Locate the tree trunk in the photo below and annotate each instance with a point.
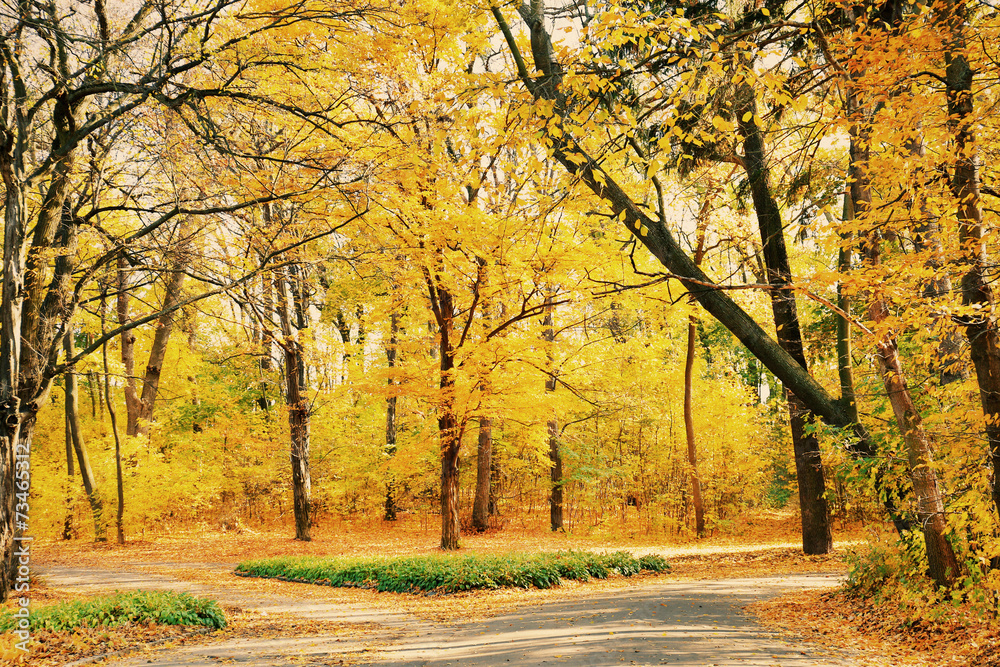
(692, 448)
(845, 361)
(493, 508)
(95, 395)
(943, 566)
(298, 409)
(112, 411)
(816, 536)
(484, 466)
(70, 474)
(692, 451)
(158, 351)
(392, 356)
(11, 308)
(980, 327)
(448, 427)
(83, 459)
(263, 402)
(127, 342)
(552, 427)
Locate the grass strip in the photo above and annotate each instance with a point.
(452, 573)
(163, 607)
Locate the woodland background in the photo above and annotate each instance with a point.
(406, 246)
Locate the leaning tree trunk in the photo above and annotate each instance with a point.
(658, 239)
(943, 566)
(298, 410)
(816, 536)
(78, 445)
(158, 350)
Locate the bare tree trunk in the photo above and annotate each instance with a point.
(816, 536)
(78, 445)
(494, 508)
(552, 427)
(265, 360)
(11, 308)
(298, 409)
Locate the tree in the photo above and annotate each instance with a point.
(96, 72)
(573, 155)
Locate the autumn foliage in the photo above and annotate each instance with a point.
(444, 256)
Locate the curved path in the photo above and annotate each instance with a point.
(684, 623)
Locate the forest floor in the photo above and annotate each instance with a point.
(796, 617)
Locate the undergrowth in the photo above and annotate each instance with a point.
(895, 574)
(450, 574)
(163, 607)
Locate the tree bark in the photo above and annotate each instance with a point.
(816, 536)
(11, 307)
(80, 448)
(484, 466)
(448, 427)
(692, 449)
(298, 409)
(484, 445)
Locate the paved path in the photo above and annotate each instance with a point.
(689, 624)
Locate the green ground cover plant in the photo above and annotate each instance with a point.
(163, 607)
(450, 574)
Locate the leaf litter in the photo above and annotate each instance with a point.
(206, 558)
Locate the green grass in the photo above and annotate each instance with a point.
(452, 573)
(162, 607)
